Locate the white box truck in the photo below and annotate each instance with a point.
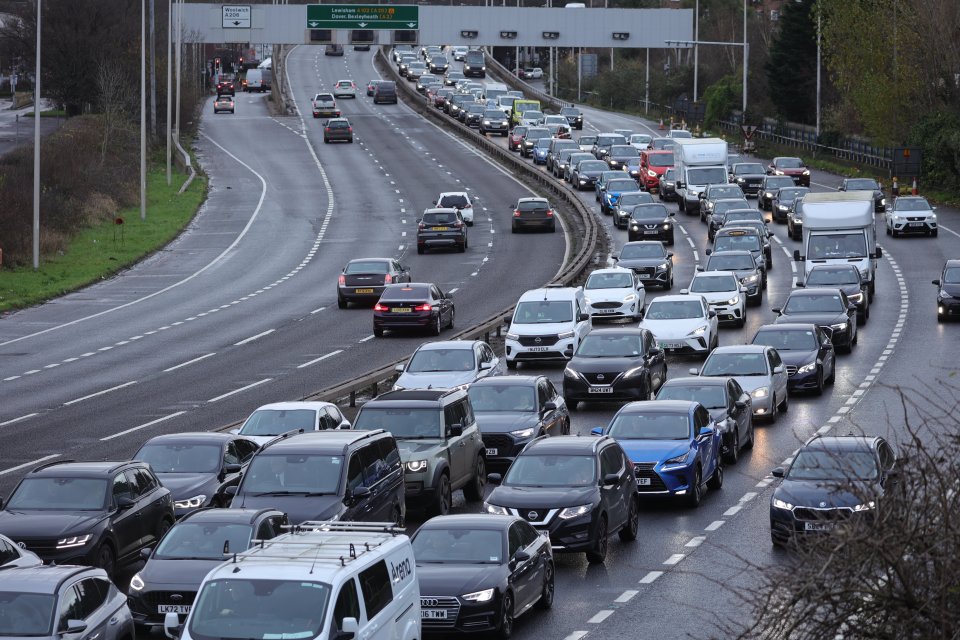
(699, 162)
(838, 228)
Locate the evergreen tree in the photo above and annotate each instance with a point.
(792, 66)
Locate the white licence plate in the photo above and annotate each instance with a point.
(491, 452)
(603, 311)
(539, 348)
(643, 482)
(601, 389)
(819, 526)
(644, 276)
(433, 614)
(671, 345)
(173, 608)
(916, 224)
(650, 231)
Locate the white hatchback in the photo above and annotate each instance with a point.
(682, 324)
(272, 420)
(345, 89)
(724, 294)
(615, 293)
(459, 200)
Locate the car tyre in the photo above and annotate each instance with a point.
(599, 552)
(505, 627)
(107, 559)
(734, 454)
(473, 492)
(341, 303)
(628, 533)
(511, 364)
(774, 412)
(443, 498)
(669, 284)
(819, 389)
(420, 250)
(785, 403)
(749, 444)
(378, 332)
(696, 491)
(715, 483)
(546, 594)
(437, 327)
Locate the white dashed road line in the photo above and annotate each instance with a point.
(29, 464)
(99, 393)
(189, 362)
(240, 390)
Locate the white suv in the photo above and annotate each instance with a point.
(459, 200)
(682, 324)
(724, 293)
(547, 324)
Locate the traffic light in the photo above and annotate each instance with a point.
(241, 61)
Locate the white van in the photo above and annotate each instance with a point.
(323, 581)
(547, 325)
(254, 81)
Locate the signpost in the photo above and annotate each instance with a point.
(363, 16)
(748, 130)
(236, 16)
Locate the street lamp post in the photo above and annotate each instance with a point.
(143, 109)
(696, 49)
(36, 151)
(818, 71)
(169, 90)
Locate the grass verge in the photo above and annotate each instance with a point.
(99, 251)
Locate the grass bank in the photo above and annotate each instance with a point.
(99, 251)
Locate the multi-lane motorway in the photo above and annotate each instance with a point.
(240, 310)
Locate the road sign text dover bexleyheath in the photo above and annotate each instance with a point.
(363, 16)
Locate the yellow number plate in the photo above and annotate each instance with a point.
(441, 228)
(363, 290)
(401, 309)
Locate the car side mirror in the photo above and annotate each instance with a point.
(700, 268)
(709, 252)
(355, 495)
(796, 256)
(125, 503)
(672, 213)
(399, 368)
(713, 314)
(234, 432)
(705, 431)
(684, 292)
(775, 309)
(231, 491)
(596, 431)
(448, 296)
(232, 468)
(1, 502)
(171, 625)
(494, 478)
(74, 626)
(778, 472)
(456, 429)
(693, 371)
(486, 366)
(879, 253)
(611, 479)
(548, 406)
(936, 282)
(615, 257)
(583, 317)
(851, 306)
(801, 284)
(779, 369)
(145, 553)
(349, 629)
(740, 404)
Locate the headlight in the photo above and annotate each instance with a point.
(679, 460)
(740, 180)
(760, 393)
(416, 466)
(666, 222)
(479, 596)
(797, 220)
(494, 509)
(699, 330)
(136, 583)
(574, 512)
(734, 300)
(190, 503)
(504, 123)
(486, 122)
(806, 172)
(73, 542)
(780, 504)
(856, 297)
(883, 201)
(522, 433)
(565, 334)
(945, 296)
(512, 336)
(808, 368)
(630, 373)
(777, 172)
(583, 181)
(840, 326)
(398, 387)
(662, 266)
(630, 298)
(652, 174)
(866, 506)
(751, 278)
(783, 207)
(767, 194)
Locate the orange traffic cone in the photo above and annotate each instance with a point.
(914, 189)
(661, 124)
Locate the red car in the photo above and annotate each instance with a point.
(516, 137)
(793, 167)
(653, 164)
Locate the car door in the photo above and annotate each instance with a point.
(779, 379)
(378, 505)
(740, 414)
(150, 502)
(232, 459)
(549, 419)
(460, 460)
(612, 495)
(706, 443)
(826, 352)
(347, 605)
(355, 480)
(522, 572)
(128, 523)
(656, 360)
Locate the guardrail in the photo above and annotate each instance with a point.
(187, 164)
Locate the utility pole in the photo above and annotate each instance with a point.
(169, 89)
(818, 71)
(179, 47)
(746, 56)
(143, 109)
(153, 71)
(36, 151)
(696, 49)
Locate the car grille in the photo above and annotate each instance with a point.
(601, 378)
(452, 606)
(645, 470)
(538, 341)
(916, 218)
(606, 305)
(154, 598)
(497, 441)
(791, 370)
(38, 546)
(804, 513)
(650, 226)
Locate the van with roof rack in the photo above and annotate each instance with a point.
(322, 580)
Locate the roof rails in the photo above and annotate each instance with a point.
(282, 436)
(340, 546)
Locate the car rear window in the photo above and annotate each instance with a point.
(533, 206)
(337, 124)
(453, 201)
(367, 266)
(440, 217)
(405, 293)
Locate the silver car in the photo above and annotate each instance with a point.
(448, 364)
(758, 369)
(56, 601)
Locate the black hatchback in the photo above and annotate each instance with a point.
(414, 305)
(439, 228)
(364, 279)
(579, 490)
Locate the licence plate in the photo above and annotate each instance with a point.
(363, 290)
(819, 526)
(602, 311)
(671, 345)
(643, 482)
(644, 276)
(401, 309)
(433, 614)
(441, 229)
(916, 224)
(539, 348)
(491, 452)
(650, 231)
(173, 608)
(601, 389)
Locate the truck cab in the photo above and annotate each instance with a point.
(700, 162)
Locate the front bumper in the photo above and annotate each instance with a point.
(144, 605)
(806, 381)
(578, 389)
(584, 182)
(915, 225)
(650, 232)
(561, 350)
(686, 344)
(728, 313)
(787, 524)
(673, 481)
(502, 449)
(948, 307)
(616, 309)
(459, 615)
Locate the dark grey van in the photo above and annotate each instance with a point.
(324, 475)
(385, 92)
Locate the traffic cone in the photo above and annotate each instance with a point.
(895, 188)
(914, 189)
(661, 124)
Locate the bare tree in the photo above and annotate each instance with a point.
(112, 89)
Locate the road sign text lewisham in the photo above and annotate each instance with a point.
(363, 16)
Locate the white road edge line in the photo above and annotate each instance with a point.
(143, 426)
(20, 419)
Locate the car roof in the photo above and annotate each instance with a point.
(370, 260)
(789, 326)
(449, 344)
(484, 521)
(550, 293)
(714, 274)
(454, 193)
(408, 285)
(661, 406)
(505, 381)
(84, 469)
(843, 443)
(532, 199)
(731, 252)
(834, 267)
(617, 331)
(741, 348)
(815, 291)
(681, 297)
(411, 395)
(43, 578)
(572, 445)
(290, 405)
(953, 262)
(440, 210)
(192, 436)
(611, 269)
(695, 380)
(329, 440)
(225, 516)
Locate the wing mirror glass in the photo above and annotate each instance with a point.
(597, 431)
(494, 478)
(936, 282)
(232, 468)
(455, 429)
(778, 369)
(610, 479)
(171, 625)
(549, 406)
(778, 472)
(399, 368)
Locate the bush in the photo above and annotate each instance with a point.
(721, 97)
(938, 134)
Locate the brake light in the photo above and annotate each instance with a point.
(549, 213)
(349, 129)
(387, 279)
(420, 225)
(458, 224)
(343, 279)
(516, 213)
(326, 128)
(424, 307)
(379, 307)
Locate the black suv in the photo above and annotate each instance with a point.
(442, 227)
(94, 513)
(327, 475)
(579, 490)
(474, 65)
(439, 441)
(650, 260)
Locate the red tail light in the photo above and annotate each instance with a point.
(516, 213)
(549, 213)
(380, 307)
(349, 129)
(423, 307)
(327, 129)
(457, 225)
(421, 226)
(343, 279)
(387, 279)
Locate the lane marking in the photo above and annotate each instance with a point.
(143, 426)
(696, 541)
(576, 635)
(320, 359)
(20, 419)
(252, 338)
(650, 577)
(713, 526)
(99, 393)
(317, 310)
(674, 559)
(240, 390)
(600, 616)
(369, 337)
(626, 596)
(29, 464)
(189, 362)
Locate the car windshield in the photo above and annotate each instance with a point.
(58, 494)
(493, 114)
(707, 175)
(369, 266)
(585, 140)
(788, 163)
(203, 541)
(840, 245)
(551, 471)
(531, 114)
(625, 151)
(298, 473)
(600, 345)
(813, 464)
(862, 184)
(476, 108)
(608, 280)
(245, 609)
(710, 396)
(543, 312)
(722, 206)
(542, 143)
(713, 284)
(721, 262)
(503, 397)
(26, 614)
(951, 275)
(833, 276)
(615, 186)
(640, 138)
(650, 426)
(404, 423)
(660, 159)
(569, 111)
(535, 133)
(428, 360)
(735, 364)
(814, 303)
(610, 140)
(790, 194)
(743, 215)
(533, 205)
(523, 107)
(440, 217)
(745, 242)
(787, 339)
(636, 251)
(649, 211)
(670, 174)
(181, 458)
(505, 101)
(628, 199)
(592, 165)
(273, 422)
(911, 204)
(662, 144)
(716, 193)
(674, 310)
(772, 183)
(748, 169)
(458, 546)
(519, 131)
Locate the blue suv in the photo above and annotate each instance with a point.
(674, 446)
(611, 194)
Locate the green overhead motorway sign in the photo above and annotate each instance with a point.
(363, 16)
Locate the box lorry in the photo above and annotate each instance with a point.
(838, 228)
(699, 162)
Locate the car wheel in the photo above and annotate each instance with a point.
(599, 552)
(420, 250)
(473, 492)
(571, 403)
(437, 327)
(453, 313)
(378, 332)
(887, 229)
(819, 389)
(743, 317)
(749, 444)
(106, 559)
(669, 284)
(511, 364)
(553, 227)
(777, 541)
(629, 531)
(670, 240)
(715, 483)
(505, 628)
(546, 594)
(775, 411)
(734, 454)
(696, 491)
(933, 234)
(444, 497)
(785, 403)
(341, 303)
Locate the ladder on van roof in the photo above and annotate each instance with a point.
(338, 542)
